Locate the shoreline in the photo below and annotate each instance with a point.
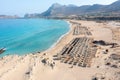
(52, 46)
(33, 67)
(58, 41)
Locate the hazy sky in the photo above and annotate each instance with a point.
(20, 7)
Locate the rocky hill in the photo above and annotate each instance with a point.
(96, 9)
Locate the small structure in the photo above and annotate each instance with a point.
(2, 50)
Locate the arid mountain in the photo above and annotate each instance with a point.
(114, 7)
(66, 10)
(63, 10)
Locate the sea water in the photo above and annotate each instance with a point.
(24, 36)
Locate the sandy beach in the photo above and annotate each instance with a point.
(105, 65)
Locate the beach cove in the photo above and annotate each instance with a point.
(43, 66)
(23, 36)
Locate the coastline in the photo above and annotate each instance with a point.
(50, 46)
(58, 41)
(32, 67)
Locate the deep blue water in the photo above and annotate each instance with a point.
(23, 36)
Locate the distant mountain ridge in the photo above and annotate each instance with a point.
(9, 16)
(66, 10)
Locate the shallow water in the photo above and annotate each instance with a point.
(23, 36)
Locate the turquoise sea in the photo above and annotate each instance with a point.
(24, 36)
